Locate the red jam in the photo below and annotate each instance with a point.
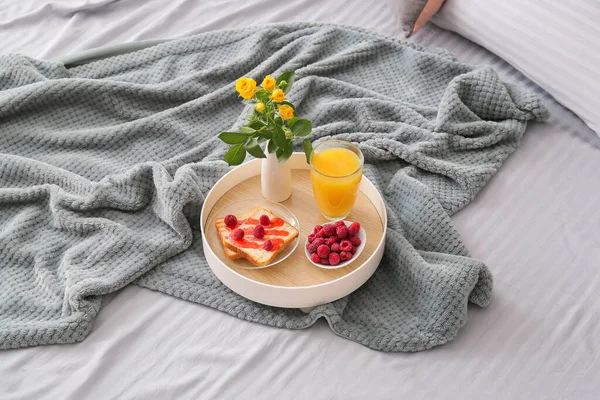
(275, 222)
(276, 232)
(251, 242)
(257, 244)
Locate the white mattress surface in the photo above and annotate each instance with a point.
(536, 224)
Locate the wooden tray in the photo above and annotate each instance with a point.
(295, 282)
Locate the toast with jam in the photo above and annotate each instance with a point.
(257, 235)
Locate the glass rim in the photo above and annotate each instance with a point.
(349, 144)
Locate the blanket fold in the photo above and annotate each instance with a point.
(104, 168)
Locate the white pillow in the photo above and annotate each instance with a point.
(556, 43)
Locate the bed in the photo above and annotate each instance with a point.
(538, 339)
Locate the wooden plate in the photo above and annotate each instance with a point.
(295, 282)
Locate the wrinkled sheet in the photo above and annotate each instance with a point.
(534, 341)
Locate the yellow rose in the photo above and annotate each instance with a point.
(268, 83)
(278, 96)
(260, 106)
(286, 112)
(245, 87)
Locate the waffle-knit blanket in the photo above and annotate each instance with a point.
(104, 167)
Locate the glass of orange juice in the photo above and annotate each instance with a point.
(335, 171)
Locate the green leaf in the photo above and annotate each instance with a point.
(266, 132)
(257, 125)
(233, 137)
(247, 129)
(235, 155)
(307, 146)
(279, 137)
(263, 136)
(291, 121)
(286, 153)
(285, 81)
(262, 96)
(301, 127)
(253, 148)
(272, 147)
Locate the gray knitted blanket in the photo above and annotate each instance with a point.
(104, 167)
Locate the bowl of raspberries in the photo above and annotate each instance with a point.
(335, 244)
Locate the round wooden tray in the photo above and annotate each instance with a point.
(295, 282)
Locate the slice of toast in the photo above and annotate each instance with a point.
(231, 254)
(280, 232)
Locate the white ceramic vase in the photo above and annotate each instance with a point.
(275, 178)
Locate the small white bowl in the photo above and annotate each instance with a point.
(362, 235)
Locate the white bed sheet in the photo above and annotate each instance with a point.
(536, 224)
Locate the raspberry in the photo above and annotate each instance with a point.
(324, 261)
(355, 240)
(345, 256)
(268, 245)
(345, 245)
(340, 223)
(318, 241)
(237, 234)
(317, 229)
(311, 237)
(329, 229)
(328, 241)
(334, 239)
(230, 220)
(259, 231)
(264, 220)
(322, 233)
(354, 228)
(335, 247)
(334, 258)
(307, 246)
(353, 251)
(313, 247)
(323, 251)
(341, 232)
(315, 258)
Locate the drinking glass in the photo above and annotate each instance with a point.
(336, 171)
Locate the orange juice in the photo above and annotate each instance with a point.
(335, 174)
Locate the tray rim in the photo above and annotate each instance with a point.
(252, 168)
